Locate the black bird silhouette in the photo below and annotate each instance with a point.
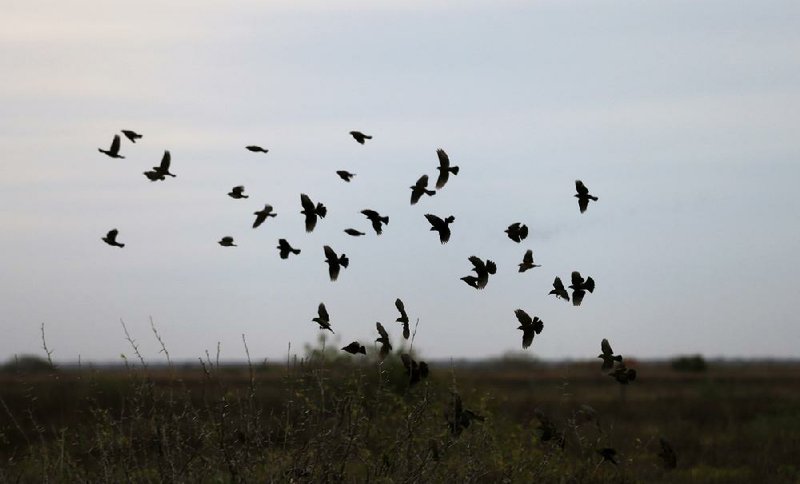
(420, 188)
(256, 149)
(530, 327)
(527, 261)
(355, 348)
(386, 346)
(359, 136)
(376, 219)
(559, 290)
(131, 135)
(285, 249)
(113, 151)
(415, 371)
(482, 269)
(162, 170)
(345, 175)
(583, 195)
(667, 454)
(353, 232)
(403, 317)
(237, 192)
(517, 232)
(323, 319)
(441, 226)
(444, 168)
(458, 418)
(608, 454)
(623, 374)
(262, 215)
(579, 287)
(547, 430)
(226, 241)
(335, 263)
(154, 175)
(311, 212)
(111, 238)
(607, 355)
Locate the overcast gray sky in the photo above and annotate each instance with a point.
(683, 117)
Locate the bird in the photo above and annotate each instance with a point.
(482, 270)
(527, 261)
(345, 175)
(559, 290)
(398, 303)
(416, 370)
(226, 241)
(131, 135)
(377, 220)
(323, 319)
(256, 149)
(355, 348)
(607, 355)
(583, 195)
(386, 346)
(608, 454)
(444, 168)
(420, 188)
(441, 226)
(262, 215)
(579, 287)
(285, 249)
(311, 211)
(113, 151)
(237, 192)
(162, 170)
(359, 136)
(111, 238)
(154, 175)
(667, 454)
(458, 418)
(353, 232)
(623, 374)
(517, 232)
(335, 263)
(547, 430)
(530, 327)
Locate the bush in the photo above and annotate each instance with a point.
(695, 363)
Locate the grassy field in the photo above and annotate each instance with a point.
(329, 417)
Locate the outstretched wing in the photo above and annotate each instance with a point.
(477, 263)
(329, 253)
(323, 313)
(577, 280)
(606, 347)
(308, 205)
(523, 317)
(583, 204)
(402, 308)
(435, 221)
(558, 285)
(115, 144)
(165, 161)
(581, 188)
(382, 331)
(528, 257)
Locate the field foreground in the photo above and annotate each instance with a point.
(329, 418)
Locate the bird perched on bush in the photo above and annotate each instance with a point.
(667, 454)
(530, 327)
(458, 418)
(311, 211)
(444, 169)
(415, 371)
(335, 263)
(608, 454)
(622, 374)
(111, 238)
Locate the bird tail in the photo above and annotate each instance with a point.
(295, 251)
(343, 260)
(321, 210)
(450, 219)
(593, 197)
(121, 245)
(385, 220)
(362, 350)
(589, 284)
(454, 170)
(272, 215)
(367, 136)
(430, 192)
(617, 358)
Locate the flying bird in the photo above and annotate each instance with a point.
(386, 346)
(345, 175)
(530, 327)
(335, 263)
(416, 371)
(376, 219)
(583, 195)
(420, 188)
(359, 136)
(608, 454)
(441, 226)
(262, 215)
(579, 287)
(131, 135)
(113, 151)
(444, 168)
(527, 261)
(458, 418)
(517, 232)
(353, 232)
(226, 241)
(403, 317)
(559, 290)
(237, 192)
(607, 355)
(153, 175)
(256, 149)
(355, 348)
(323, 319)
(667, 454)
(162, 170)
(311, 211)
(111, 238)
(285, 249)
(482, 270)
(623, 374)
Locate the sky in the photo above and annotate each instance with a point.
(682, 117)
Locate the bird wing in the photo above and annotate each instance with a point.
(606, 347)
(115, 144)
(416, 194)
(558, 285)
(112, 234)
(527, 338)
(523, 317)
(583, 204)
(260, 217)
(528, 257)
(402, 308)
(435, 221)
(382, 331)
(581, 188)
(165, 161)
(407, 361)
(329, 253)
(577, 280)
(323, 313)
(577, 297)
(444, 160)
(308, 205)
(422, 182)
(477, 263)
(538, 324)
